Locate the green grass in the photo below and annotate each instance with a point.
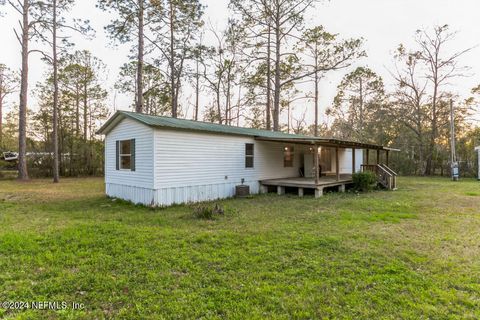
(409, 254)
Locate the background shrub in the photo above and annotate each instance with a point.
(8, 165)
(364, 181)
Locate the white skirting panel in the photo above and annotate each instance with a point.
(176, 195)
(137, 195)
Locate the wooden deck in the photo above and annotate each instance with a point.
(308, 183)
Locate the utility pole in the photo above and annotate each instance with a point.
(453, 156)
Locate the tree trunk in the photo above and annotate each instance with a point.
(139, 102)
(316, 91)
(219, 105)
(85, 108)
(433, 137)
(172, 63)
(22, 121)
(420, 156)
(197, 91)
(269, 82)
(77, 110)
(56, 177)
(288, 118)
(71, 171)
(429, 162)
(228, 103)
(276, 97)
(238, 103)
(61, 143)
(148, 107)
(419, 135)
(361, 109)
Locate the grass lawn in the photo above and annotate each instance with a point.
(412, 253)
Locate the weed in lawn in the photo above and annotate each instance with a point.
(473, 194)
(206, 211)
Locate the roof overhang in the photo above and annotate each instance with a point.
(291, 139)
(111, 123)
(327, 143)
(391, 149)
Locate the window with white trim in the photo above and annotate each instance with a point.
(249, 151)
(126, 155)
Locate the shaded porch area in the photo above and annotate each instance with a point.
(338, 157)
(302, 183)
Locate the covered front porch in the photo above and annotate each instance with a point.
(345, 159)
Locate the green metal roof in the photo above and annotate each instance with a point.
(183, 124)
(159, 121)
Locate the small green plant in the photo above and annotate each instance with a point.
(364, 181)
(204, 211)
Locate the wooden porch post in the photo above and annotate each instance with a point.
(353, 161)
(378, 156)
(387, 152)
(368, 156)
(315, 161)
(337, 164)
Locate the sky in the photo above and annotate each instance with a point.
(384, 24)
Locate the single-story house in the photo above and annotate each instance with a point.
(161, 161)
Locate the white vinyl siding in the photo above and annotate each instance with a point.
(197, 166)
(185, 158)
(345, 160)
(143, 175)
(270, 160)
(180, 166)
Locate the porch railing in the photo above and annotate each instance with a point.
(385, 175)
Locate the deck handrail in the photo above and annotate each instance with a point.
(388, 169)
(385, 176)
(393, 182)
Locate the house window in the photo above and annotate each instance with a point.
(126, 155)
(248, 155)
(288, 153)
